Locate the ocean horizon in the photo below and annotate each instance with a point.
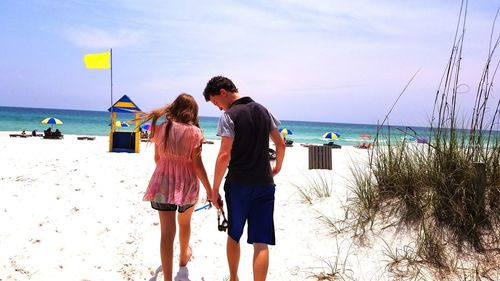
(96, 123)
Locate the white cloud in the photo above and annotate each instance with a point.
(92, 37)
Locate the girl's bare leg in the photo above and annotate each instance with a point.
(168, 228)
(184, 220)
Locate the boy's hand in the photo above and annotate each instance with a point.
(216, 200)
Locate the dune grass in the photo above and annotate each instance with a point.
(315, 186)
(447, 192)
(336, 270)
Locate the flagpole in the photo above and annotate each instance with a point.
(111, 55)
(111, 123)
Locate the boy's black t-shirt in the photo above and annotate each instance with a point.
(250, 124)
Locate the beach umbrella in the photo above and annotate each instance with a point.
(146, 126)
(285, 131)
(331, 135)
(365, 136)
(51, 121)
(120, 124)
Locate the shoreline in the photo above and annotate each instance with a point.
(73, 136)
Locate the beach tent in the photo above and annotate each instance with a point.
(124, 141)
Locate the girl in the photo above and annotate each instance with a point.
(174, 184)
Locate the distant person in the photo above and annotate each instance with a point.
(364, 145)
(144, 135)
(23, 133)
(245, 127)
(33, 133)
(57, 133)
(174, 184)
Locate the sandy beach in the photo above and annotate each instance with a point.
(70, 210)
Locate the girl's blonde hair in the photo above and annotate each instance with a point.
(183, 109)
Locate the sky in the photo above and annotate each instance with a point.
(316, 60)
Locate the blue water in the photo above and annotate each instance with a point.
(83, 122)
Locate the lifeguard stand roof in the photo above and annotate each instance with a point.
(125, 105)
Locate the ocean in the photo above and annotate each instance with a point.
(84, 122)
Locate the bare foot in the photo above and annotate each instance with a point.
(184, 260)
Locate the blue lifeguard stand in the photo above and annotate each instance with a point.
(124, 141)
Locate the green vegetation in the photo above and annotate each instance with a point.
(445, 194)
(315, 187)
(447, 191)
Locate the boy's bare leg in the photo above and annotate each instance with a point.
(260, 261)
(233, 258)
(184, 220)
(167, 224)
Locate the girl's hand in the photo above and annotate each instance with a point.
(209, 194)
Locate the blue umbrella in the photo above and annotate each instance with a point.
(51, 120)
(331, 135)
(146, 126)
(285, 131)
(120, 124)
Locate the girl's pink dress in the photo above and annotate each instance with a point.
(174, 180)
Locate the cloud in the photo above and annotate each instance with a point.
(96, 38)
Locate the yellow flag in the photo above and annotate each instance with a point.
(97, 60)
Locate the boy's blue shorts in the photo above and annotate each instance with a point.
(254, 203)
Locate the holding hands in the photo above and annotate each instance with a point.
(217, 200)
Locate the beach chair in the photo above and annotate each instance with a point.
(19, 135)
(289, 143)
(332, 145)
(320, 157)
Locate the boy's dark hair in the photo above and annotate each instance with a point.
(217, 83)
